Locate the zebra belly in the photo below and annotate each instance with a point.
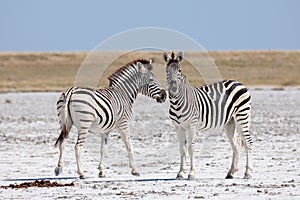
(197, 122)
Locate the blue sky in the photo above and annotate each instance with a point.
(217, 25)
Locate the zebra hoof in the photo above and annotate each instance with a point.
(57, 171)
(180, 175)
(81, 176)
(135, 173)
(229, 176)
(101, 175)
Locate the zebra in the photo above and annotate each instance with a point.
(222, 104)
(105, 109)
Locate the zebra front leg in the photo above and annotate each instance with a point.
(126, 140)
(191, 143)
(232, 135)
(78, 148)
(103, 149)
(60, 164)
(182, 149)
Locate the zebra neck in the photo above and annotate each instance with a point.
(179, 101)
(128, 90)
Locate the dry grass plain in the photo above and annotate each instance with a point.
(41, 71)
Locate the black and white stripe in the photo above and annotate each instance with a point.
(105, 109)
(225, 104)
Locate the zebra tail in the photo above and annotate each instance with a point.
(63, 135)
(242, 142)
(65, 117)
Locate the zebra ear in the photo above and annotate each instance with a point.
(151, 60)
(180, 56)
(149, 66)
(165, 56)
(183, 79)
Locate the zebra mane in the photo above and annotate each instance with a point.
(121, 71)
(173, 56)
(172, 59)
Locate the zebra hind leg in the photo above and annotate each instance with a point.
(102, 150)
(232, 135)
(249, 165)
(82, 134)
(61, 142)
(247, 141)
(60, 164)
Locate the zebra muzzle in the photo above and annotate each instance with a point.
(173, 89)
(162, 97)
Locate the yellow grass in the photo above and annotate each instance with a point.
(57, 71)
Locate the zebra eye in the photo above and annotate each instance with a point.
(179, 70)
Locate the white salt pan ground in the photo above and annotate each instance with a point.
(29, 128)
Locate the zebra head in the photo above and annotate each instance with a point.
(173, 70)
(149, 85)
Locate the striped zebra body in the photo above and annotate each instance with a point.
(225, 104)
(106, 109)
